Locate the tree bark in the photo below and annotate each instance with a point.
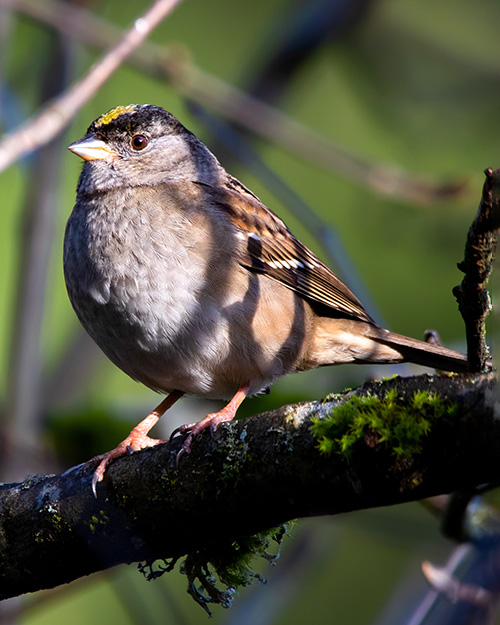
(480, 249)
(249, 476)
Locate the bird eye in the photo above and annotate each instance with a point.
(139, 142)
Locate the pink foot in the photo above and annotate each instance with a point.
(137, 439)
(210, 421)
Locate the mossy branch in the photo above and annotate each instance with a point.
(252, 475)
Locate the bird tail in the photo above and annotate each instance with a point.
(338, 341)
(420, 352)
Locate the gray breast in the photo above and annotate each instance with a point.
(142, 285)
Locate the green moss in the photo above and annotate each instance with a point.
(59, 524)
(96, 521)
(168, 478)
(234, 449)
(230, 562)
(334, 396)
(397, 424)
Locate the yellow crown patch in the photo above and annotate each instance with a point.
(114, 113)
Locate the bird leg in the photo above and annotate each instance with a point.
(210, 421)
(136, 440)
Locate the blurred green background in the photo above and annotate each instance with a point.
(413, 85)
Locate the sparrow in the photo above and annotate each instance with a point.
(191, 285)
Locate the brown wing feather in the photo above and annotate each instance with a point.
(271, 249)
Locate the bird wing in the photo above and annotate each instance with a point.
(271, 249)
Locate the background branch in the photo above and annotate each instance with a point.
(235, 105)
(254, 474)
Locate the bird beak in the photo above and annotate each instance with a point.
(92, 149)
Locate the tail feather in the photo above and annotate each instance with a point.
(337, 341)
(420, 352)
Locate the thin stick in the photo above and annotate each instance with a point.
(44, 126)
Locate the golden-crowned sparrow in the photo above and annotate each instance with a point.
(189, 284)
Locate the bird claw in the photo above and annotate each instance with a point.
(191, 430)
(105, 460)
(211, 421)
(137, 439)
(131, 444)
(182, 429)
(99, 473)
(185, 449)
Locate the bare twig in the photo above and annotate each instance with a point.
(472, 294)
(44, 126)
(444, 583)
(238, 107)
